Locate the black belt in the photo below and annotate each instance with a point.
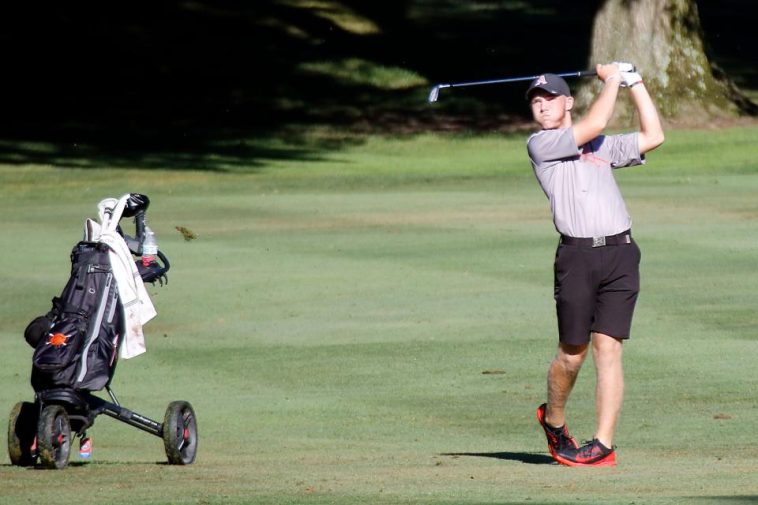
(620, 239)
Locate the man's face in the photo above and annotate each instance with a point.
(551, 111)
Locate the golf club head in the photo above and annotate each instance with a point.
(434, 94)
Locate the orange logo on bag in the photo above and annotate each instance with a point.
(57, 339)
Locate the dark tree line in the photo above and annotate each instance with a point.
(163, 77)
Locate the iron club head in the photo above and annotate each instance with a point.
(434, 94)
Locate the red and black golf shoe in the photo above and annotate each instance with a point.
(557, 438)
(593, 453)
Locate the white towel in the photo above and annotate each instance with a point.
(137, 307)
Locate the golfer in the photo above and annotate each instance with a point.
(597, 262)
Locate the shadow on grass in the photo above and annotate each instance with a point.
(523, 457)
(188, 153)
(85, 464)
(730, 499)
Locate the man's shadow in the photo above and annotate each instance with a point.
(530, 458)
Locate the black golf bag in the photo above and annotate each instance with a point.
(78, 342)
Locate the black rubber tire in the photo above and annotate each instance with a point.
(22, 428)
(54, 437)
(180, 433)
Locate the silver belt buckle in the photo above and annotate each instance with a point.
(598, 242)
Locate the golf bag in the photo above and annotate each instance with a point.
(77, 342)
(96, 320)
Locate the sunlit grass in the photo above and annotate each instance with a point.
(334, 320)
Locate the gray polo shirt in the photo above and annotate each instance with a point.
(584, 197)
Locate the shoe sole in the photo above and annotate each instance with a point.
(608, 461)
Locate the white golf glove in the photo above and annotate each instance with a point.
(629, 79)
(625, 67)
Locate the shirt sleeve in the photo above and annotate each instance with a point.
(623, 150)
(552, 145)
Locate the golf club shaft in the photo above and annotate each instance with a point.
(436, 89)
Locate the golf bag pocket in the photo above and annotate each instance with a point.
(37, 329)
(99, 355)
(56, 355)
(61, 345)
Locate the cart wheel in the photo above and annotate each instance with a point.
(180, 433)
(54, 437)
(22, 425)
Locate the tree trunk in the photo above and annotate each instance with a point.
(663, 38)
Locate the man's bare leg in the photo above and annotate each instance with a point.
(609, 393)
(561, 378)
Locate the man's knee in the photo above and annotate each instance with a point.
(606, 349)
(570, 357)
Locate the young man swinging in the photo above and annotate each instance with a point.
(597, 262)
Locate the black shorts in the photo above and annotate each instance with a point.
(596, 289)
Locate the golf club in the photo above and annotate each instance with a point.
(435, 92)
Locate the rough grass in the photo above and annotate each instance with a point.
(374, 326)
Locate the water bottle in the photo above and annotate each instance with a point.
(149, 247)
(85, 448)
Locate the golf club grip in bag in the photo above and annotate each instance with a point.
(136, 206)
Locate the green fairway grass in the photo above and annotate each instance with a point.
(372, 323)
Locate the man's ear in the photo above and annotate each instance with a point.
(569, 102)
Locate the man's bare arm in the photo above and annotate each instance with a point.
(599, 115)
(651, 131)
